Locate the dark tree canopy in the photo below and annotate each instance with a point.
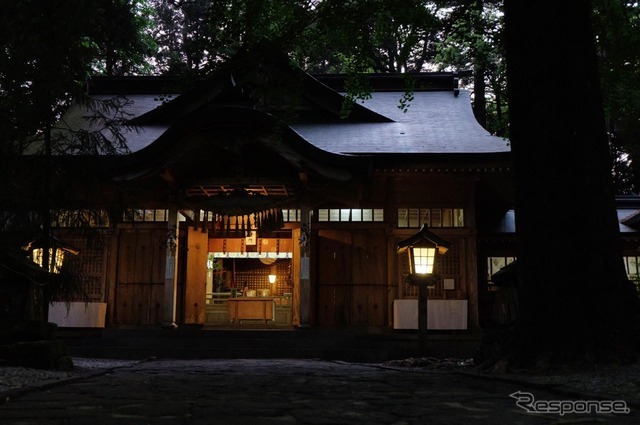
(50, 48)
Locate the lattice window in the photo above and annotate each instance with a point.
(431, 217)
(89, 268)
(79, 218)
(259, 278)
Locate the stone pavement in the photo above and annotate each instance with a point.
(255, 392)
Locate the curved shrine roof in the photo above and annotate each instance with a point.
(434, 122)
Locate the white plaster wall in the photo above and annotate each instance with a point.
(80, 315)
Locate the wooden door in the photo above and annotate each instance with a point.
(334, 278)
(351, 278)
(369, 278)
(140, 278)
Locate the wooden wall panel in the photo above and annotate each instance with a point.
(139, 291)
(159, 254)
(156, 303)
(352, 278)
(368, 307)
(369, 278)
(126, 256)
(143, 257)
(133, 304)
(334, 305)
(421, 188)
(334, 278)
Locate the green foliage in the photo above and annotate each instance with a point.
(106, 120)
(376, 35)
(122, 37)
(407, 96)
(356, 89)
(617, 25)
(195, 37)
(473, 39)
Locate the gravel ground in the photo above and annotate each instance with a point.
(15, 378)
(608, 382)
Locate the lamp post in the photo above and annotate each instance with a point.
(422, 249)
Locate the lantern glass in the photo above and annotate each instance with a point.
(56, 258)
(423, 259)
(272, 278)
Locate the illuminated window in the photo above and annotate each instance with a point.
(632, 266)
(431, 217)
(351, 214)
(291, 214)
(146, 215)
(494, 264)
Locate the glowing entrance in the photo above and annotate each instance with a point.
(249, 282)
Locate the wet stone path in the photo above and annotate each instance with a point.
(254, 392)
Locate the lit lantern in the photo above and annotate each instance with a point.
(56, 258)
(422, 249)
(57, 251)
(272, 278)
(422, 259)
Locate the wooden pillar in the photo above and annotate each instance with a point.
(423, 323)
(423, 282)
(171, 269)
(112, 275)
(196, 276)
(471, 274)
(470, 248)
(304, 271)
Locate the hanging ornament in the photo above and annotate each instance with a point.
(280, 218)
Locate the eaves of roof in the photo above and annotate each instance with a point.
(628, 220)
(434, 125)
(431, 123)
(210, 124)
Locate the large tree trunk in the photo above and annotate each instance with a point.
(576, 301)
